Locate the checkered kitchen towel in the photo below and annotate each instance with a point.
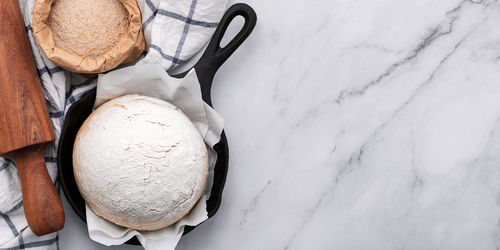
(174, 30)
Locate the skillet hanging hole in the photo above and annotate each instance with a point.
(232, 30)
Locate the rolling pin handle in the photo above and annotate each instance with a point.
(42, 206)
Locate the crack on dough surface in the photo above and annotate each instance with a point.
(158, 123)
(120, 106)
(184, 201)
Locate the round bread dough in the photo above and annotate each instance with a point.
(140, 162)
(88, 28)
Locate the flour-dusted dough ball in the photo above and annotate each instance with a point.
(140, 162)
(88, 28)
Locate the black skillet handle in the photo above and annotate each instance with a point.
(214, 55)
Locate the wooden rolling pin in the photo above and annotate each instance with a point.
(25, 128)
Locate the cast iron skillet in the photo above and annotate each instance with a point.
(206, 68)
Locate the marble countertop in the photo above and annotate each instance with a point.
(360, 124)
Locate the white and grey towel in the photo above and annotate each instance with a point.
(175, 30)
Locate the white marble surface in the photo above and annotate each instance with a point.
(358, 124)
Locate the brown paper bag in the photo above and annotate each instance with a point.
(126, 50)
